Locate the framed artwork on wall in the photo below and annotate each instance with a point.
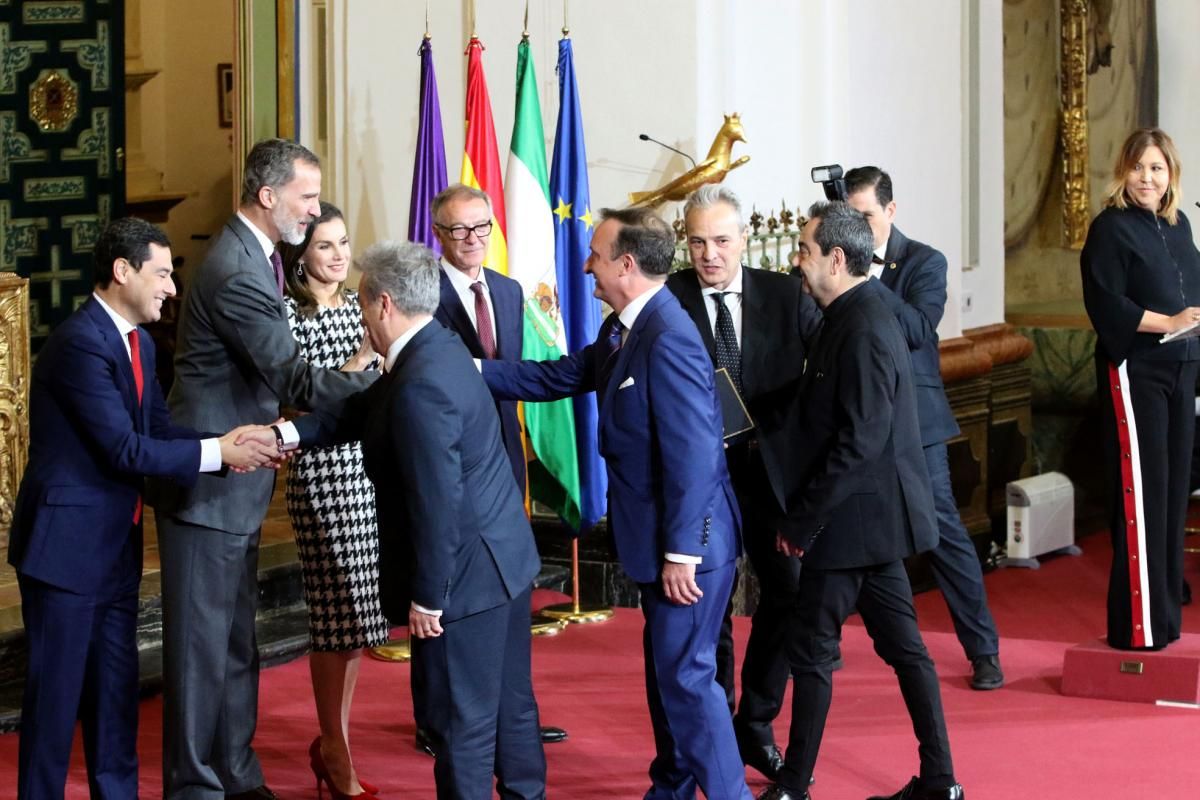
(225, 95)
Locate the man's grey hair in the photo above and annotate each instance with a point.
(405, 271)
(842, 226)
(645, 236)
(272, 162)
(457, 191)
(709, 195)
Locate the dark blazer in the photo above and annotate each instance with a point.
(237, 363)
(453, 534)
(861, 494)
(90, 446)
(777, 319)
(915, 273)
(507, 303)
(659, 433)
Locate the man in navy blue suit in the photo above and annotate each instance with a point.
(671, 506)
(456, 553)
(914, 275)
(98, 425)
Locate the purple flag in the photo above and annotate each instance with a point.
(429, 165)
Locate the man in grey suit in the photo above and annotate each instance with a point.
(235, 360)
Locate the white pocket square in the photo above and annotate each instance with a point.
(625, 384)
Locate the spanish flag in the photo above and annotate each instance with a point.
(481, 159)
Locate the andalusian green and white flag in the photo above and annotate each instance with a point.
(554, 476)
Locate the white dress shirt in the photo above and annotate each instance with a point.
(733, 301)
(466, 295)
(876, 270)
(210, 449)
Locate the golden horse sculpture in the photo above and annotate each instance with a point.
(711, 170)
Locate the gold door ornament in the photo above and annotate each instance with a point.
(53, 101)
(1074, 132)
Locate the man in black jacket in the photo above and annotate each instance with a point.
(914, 276)
(754, 323)
(860, 503)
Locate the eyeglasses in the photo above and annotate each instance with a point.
(461, 232)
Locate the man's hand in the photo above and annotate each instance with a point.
(249, 447)
(786, 547)
(423, 626)
(679, 583)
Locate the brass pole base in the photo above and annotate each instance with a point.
(577, 614)
(541, 625)
(394, 650)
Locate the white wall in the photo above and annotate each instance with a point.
(807, 96)
(1179, 113)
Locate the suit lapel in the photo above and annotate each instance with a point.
(692, 301)
(457, 317)
(754, 341)
(897, 247)
(631, 343)
(118, 349)
(506, 308)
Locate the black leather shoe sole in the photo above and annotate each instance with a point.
(552, 735)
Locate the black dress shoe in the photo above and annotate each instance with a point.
(777, 792)
(914, 792)
(424, 743)
(986, 673)
(257, 793)
(765, 758)
(552, 735)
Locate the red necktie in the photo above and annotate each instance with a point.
(135, 357)
(483, 322)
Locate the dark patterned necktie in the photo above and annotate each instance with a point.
(483, 322)
(610, 343)
(277, 266)
(729, 356)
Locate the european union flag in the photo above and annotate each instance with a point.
(580, 309)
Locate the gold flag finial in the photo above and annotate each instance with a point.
(525, 24)
(427, 36)
(565, 30)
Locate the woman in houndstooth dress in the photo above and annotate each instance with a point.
(330, 500)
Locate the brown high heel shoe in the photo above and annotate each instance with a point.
(317, 763)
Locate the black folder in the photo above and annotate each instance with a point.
(734, 415)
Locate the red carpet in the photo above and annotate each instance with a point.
(1023, 741)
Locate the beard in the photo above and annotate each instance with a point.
(290, 229)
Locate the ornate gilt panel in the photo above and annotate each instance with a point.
(14, 393)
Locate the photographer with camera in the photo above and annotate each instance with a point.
(914, 278)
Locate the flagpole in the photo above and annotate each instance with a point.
(575, 612)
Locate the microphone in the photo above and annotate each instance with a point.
(646, 138)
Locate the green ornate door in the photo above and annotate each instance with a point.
(62, 128)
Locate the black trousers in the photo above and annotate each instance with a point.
(765, 666)
(883, 598)
(1148, 418)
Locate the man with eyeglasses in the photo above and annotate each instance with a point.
(485, 309)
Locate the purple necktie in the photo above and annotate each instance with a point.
(483, 322)
(277, 265)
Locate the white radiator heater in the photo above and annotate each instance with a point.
(1041, 519)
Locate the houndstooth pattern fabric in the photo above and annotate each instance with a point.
(332, 505)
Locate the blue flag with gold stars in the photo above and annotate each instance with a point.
(580, 309)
